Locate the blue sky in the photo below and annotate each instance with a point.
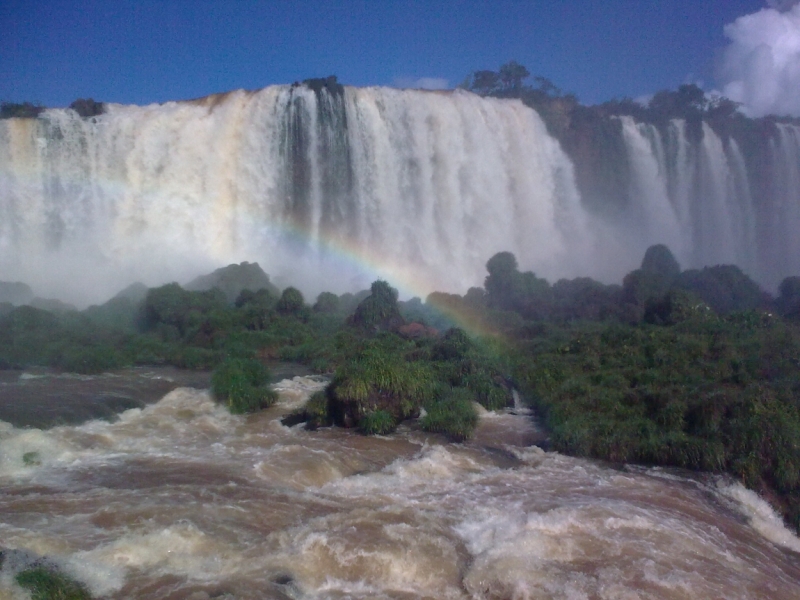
(154, 51)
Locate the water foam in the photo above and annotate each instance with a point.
(760, 514)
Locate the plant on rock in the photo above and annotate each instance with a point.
(241, 384)
(453, 414)
(46, 584)
(377, 422)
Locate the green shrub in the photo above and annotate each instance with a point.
(93, 359)
(378, 422)
(454, 344)
(488, 392)
(379, 311)
(453, 414)
(725, 288)
(316, 410)
(172, 306)
(45, 584)
(240, 383)
(326, 303)
(291, 302)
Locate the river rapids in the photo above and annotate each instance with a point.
(182, 500)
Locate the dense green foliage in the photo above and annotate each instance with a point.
(241, 384)
(327, 303)
(291, 302)
(454, 414)
(377, 422)
(379, 310)
(720, 394)
(46, 584)
(695, 369)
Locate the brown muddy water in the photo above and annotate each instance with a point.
(179, 499)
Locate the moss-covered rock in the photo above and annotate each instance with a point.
(233, 279)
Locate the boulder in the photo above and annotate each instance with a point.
(233, 279)
(16, 293)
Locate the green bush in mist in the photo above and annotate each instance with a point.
(327, 303)
(378, 311)
(291, 302)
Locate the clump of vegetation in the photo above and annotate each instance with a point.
(453, 414)
(379, 310)
(327, 303)
(377, 422)
(704, 393)
(24, 110)
(31, 459)
(47, 584)
(234, 280)
(395, 376)
(241, 384)
(377, 376)
(291, 302)
(316, 411)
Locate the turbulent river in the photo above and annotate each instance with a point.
(180, 499)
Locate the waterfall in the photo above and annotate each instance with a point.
(331, 187)
(784, 225)
(693, 191)
(325, 188)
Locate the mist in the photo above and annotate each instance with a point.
(327, 190)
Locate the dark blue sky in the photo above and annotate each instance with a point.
(149, 51)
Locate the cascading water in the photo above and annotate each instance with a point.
(327, 188)
(693, 190)
(785, 214)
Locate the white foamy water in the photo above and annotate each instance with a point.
(324, 190)
(331, 190)
(183, 500)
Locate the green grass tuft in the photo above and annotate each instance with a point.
(31, 459)
(378, 422)
(241, 384)
(453, 414)
(44, 584)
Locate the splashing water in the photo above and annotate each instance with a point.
(183, 500)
